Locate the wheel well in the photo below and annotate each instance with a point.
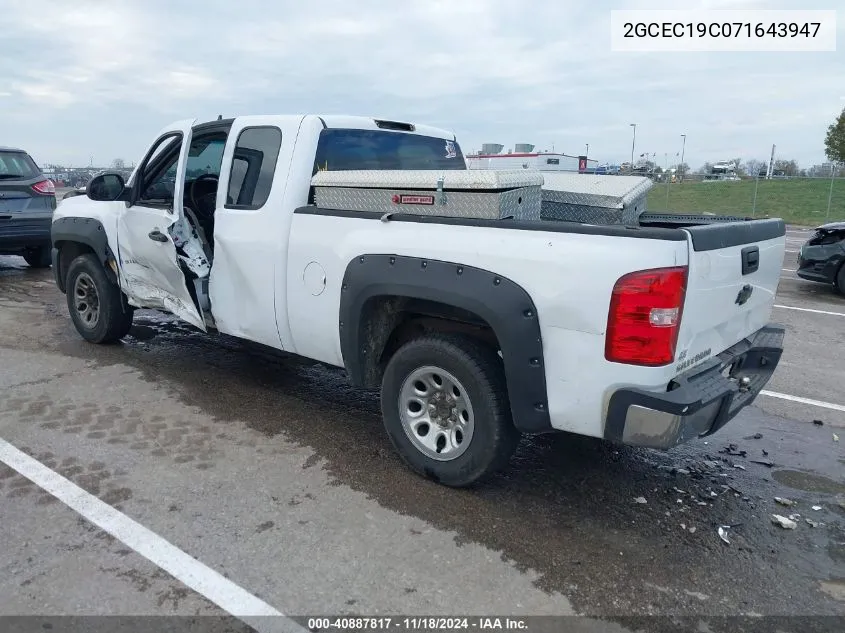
(388, 322)
(70, 250)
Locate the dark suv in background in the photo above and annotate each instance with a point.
(27, 201)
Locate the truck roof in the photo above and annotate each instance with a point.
(3, 148)
(372, 123)
(360, 123)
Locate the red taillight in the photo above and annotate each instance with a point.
(45, 188)
(645, 316)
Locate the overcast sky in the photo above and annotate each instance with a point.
(97, 79)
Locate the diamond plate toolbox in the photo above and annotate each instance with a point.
(465, 194)
(590, 199)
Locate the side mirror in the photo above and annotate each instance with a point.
(106, 187)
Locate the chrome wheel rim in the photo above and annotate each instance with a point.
(436, 413)
(86, 301)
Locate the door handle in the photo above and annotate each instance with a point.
(157, 236)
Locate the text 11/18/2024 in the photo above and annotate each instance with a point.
(414, 623)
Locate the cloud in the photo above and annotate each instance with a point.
(100, 77)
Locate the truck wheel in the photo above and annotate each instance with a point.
(840, 279)
(38, 257)
(97, 306)
(446, 411)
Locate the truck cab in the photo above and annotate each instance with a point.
(197, 228)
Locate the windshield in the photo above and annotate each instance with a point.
(17, 165)
(345, 150)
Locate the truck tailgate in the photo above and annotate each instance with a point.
(734, 268)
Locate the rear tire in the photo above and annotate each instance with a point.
(97, 307)
(38, 257)
(445, 407)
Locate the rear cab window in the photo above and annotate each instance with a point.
(15, 165)
(349, 149)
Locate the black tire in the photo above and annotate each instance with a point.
(38, 257)
(114, 315)
(479, 371)
(840, 280)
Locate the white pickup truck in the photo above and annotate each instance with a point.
(475, 330)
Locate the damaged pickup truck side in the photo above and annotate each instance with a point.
(475, 329)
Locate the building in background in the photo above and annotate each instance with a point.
(523, 156)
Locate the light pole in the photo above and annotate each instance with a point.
(633, 142)
(588, 151)
(683, 147)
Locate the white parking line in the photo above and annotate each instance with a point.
(788, 270)
(842, 314)
(202, 579)
(810, 401)
(789, 251)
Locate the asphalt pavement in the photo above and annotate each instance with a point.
(240, 482)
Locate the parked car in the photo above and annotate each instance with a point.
(475, 328)
(822, 257)
(27, 202)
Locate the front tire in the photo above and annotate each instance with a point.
(445, 408)
(38, 257)
(97, 307)
(840, 280)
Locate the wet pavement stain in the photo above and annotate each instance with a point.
(808, 482)
(560, 509)
(173, 438)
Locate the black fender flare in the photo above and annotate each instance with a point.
(502, 303)
(87, 231)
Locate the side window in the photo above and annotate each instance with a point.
(253, 167)
(158, 178)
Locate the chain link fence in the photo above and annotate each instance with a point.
(807, 201)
